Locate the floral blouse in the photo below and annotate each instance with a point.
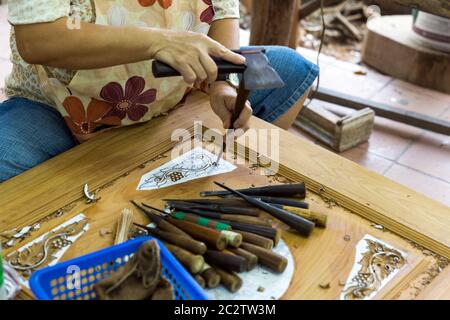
(23, 81)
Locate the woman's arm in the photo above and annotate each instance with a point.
(226, 32)
(96, 46)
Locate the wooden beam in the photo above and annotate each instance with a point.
(273, 22)
(386, 111)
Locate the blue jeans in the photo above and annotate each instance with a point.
(31, 132)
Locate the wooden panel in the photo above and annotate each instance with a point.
(439, 289)
(336, 244)
(119, 153)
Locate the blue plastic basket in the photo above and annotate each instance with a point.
(57, 282)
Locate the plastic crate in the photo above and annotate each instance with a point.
(52, 283)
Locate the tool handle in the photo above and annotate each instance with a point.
(252, 260)
(227, 261)
(200, 280)
(268, 232)
(230, 280)
(234, 239)
(194, 263)
(246, 219)
(163, 70)
(267, 258)
(284, 190)
(211, 277)
(189, 244)
(239, 105)
(201, 221)
(285, 202)
(256, 239)
(209, 236)
(319, 219)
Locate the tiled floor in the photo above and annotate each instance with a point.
(411, 156)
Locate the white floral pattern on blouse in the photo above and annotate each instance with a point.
(23, 81)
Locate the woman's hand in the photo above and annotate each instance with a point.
(190, 54)
(223, 98)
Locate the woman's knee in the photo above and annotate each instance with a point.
(290, 65)
(30, 134)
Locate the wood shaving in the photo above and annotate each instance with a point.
(104, 232)
(325, 286)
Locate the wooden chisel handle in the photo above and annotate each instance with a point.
(200, 280)
(267, 258)
(239, 105)
(231, 281)
(194, 263)
(209, 236)
(246, 219)
(297, 190)
(252, 260)
(210, 275)
(227, 261)
(201, 221)
(234, 239)
(257, 240)
(189, 244)
(319, 219)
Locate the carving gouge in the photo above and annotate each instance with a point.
(303, 226)
(283, 190)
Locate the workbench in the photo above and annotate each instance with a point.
(356, 200)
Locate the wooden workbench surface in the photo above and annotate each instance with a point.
(114, 162)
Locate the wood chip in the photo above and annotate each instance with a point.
(325, 286)
(261, 289)
(104, 232)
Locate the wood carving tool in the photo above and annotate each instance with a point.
(257, 74)
(285, 202)
(200, 280)
(211, 277)
(230, 280)
(267, 258)
(227, 202)
(252, 260)
(319, 219)
(209, 236)
(295, 190)
(123, 226)
(189, 244)
(227, 261)
(234, 239)
(303, 226)
(255, 239)
(193, 263)
(159, 221)
(214, 208)
(268, 232)
(200, 221)
(221, 216)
